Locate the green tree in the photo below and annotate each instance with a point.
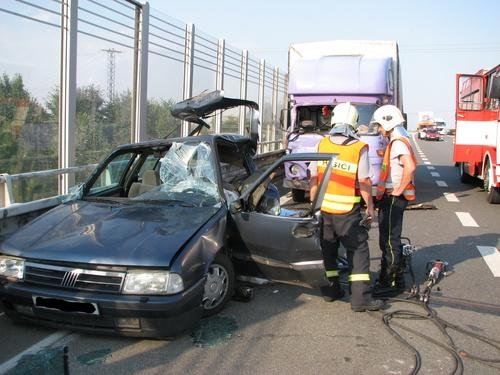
(160, 121)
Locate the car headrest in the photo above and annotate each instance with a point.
(151, 177)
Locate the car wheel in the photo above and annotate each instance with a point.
(219, 285)
(493, 193)
(464, 176)
(298, 195)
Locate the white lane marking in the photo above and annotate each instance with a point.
(492, 258)
(450, 197)
(425, 159)
(435, 174)
(48, 341)
(430, 167)
(441, 183)
(466, 219)
(427, 162)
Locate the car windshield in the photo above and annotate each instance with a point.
(187, 175)
(180, 173)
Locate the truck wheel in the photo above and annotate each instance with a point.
(464, 176)
(492, 192)
(298, 195)
(219, 286)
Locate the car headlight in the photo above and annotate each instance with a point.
(11, 267)
(153, 282)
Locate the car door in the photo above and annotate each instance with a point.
(285, 246)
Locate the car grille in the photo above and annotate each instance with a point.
(73, 278)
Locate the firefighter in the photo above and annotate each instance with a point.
(394, 190)
(350, 180)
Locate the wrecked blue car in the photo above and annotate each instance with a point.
(157, 236)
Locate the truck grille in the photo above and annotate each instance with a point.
(73, 278)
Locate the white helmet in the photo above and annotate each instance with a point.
(388, 116)
(345, 114)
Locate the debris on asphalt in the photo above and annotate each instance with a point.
(421, 206)
(213, 331)
(46, 361)
(94, 357)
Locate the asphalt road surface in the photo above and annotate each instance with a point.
(290, 329)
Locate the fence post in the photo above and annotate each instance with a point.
(275, 107)
(219, 79)
(6, 197)
(243, 90)
(262, 81)
(140, 89)
(187, 90)
(67, 96)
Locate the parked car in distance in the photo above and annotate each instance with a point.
(442, 131)
(155, 237)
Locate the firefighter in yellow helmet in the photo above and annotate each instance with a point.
(394, 190)
(350, 179)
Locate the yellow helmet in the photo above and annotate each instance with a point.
(345, 114)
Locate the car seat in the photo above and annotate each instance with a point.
(150, 179)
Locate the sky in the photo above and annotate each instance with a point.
(437, 40)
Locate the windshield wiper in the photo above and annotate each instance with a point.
(164, 202)
(115, 200)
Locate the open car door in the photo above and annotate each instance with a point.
(277, 238)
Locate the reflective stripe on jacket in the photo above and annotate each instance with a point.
(409, 191)
(341, 193)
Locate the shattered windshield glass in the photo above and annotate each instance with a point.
(187, 175)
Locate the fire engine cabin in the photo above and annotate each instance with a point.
(477, 138)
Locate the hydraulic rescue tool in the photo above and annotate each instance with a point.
(435, 269)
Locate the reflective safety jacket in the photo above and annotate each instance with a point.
(409, 191)
(341, 192)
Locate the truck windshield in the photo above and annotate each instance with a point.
(365, 113)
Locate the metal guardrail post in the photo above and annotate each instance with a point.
(6, 197)
(140, 89)
(262, 80)
(187, 90)
(67, 97)
(275, 106)
(219, 79)
(243, 90)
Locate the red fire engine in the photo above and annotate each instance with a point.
(477, 135)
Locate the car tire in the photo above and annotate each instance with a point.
(298, 195)
(219, 286)
(464, 176)
(492, 192)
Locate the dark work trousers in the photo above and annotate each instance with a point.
(390, 221)
(345, 229)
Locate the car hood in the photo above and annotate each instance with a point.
(109, 234)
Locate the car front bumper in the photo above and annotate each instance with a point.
(119, 314)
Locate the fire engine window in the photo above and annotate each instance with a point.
(471, 94)
(494, 86)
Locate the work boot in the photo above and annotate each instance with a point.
(373, 305)
(331, 293)
(399, 281)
